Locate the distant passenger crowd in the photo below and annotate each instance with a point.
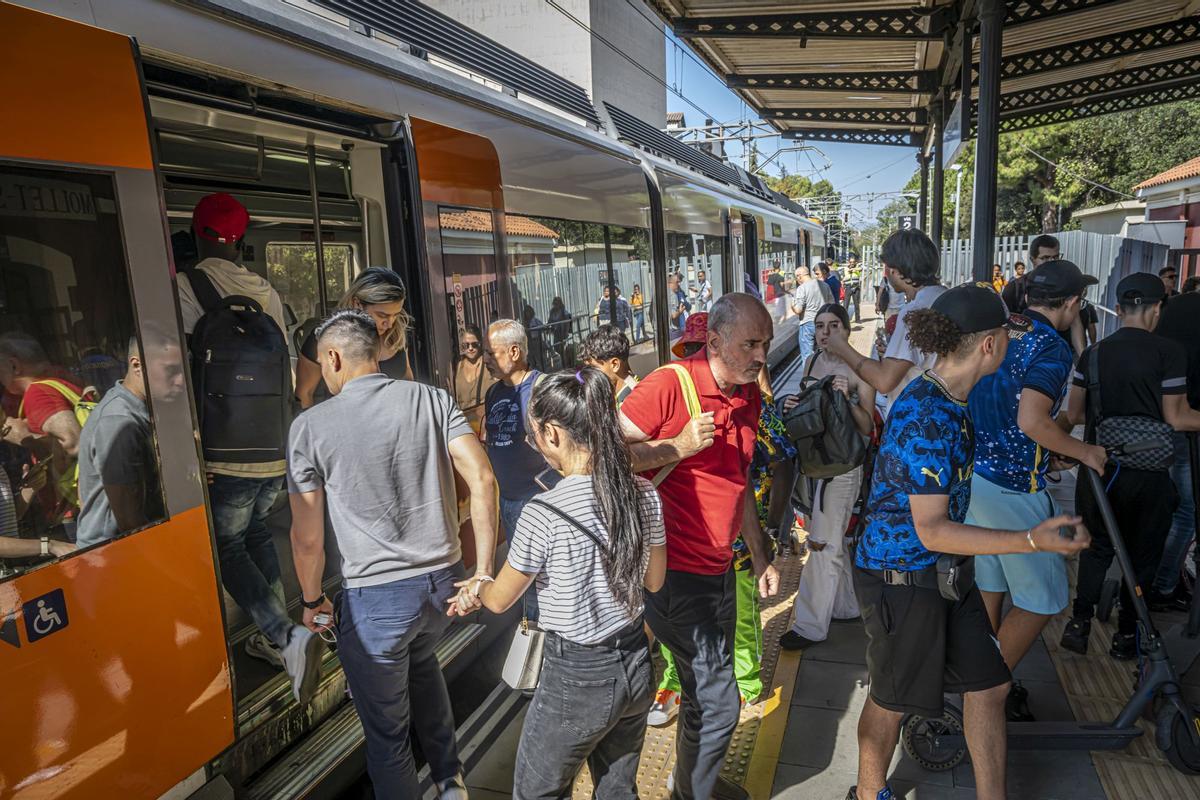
(616, 512)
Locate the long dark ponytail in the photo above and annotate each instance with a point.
(581, 403)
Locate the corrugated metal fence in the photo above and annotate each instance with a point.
(1106, 256)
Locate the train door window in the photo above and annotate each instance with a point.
(560, 274)
(694, 260)
(778, 261)
(633, 282)
(73, 471)
(471, 297)
(292, 271)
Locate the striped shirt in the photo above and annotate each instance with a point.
(574, 597)
(8, 507)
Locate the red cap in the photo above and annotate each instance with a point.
(694, 330)
(220, 218)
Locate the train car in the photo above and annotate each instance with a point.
(125, 663)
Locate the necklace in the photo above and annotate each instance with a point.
(941, 384)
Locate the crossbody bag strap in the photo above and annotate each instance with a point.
(571, 520)
(1093, 394)
(202, 286)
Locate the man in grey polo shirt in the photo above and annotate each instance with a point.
(382, 454)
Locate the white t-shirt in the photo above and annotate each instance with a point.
(574, 597)
(901, 348)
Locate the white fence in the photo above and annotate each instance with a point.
(1108, 257)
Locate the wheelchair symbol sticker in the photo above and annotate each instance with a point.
(45, 615)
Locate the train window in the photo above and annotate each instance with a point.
(777, 261)
(292, 270)
(78, 461)
(559, 271)
(694, 259)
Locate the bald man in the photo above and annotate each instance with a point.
(705, 505)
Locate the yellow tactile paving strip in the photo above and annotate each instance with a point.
(1097, 687)
(755, 748)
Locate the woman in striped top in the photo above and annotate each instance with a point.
(590, 546)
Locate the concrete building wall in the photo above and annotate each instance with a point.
(543, 34)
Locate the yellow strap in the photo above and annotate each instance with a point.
(691, 399)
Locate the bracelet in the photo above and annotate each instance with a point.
(1029, 538)
(481, 580)
(313, 603)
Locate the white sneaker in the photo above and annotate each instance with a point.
(453, 789)
(302, 659)
(665, 708)
(260, 647)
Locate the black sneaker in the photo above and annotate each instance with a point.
(885, 793)
(1016, 707)
(1156, 601)
(1075, 635)
(1124, 646)
(794, 641)
(726, 789)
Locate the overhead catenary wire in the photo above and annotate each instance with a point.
(1075, 175)
(622, 54)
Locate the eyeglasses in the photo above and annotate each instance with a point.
(470, 345)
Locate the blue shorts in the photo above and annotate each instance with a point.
(1037, 582)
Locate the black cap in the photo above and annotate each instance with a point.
(975, 307)
(1140, 288)
(1059, 278)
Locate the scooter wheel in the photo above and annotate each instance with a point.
(918, 735)
(1108, 597)
(1178, 737)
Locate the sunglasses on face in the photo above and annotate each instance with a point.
(470, 345)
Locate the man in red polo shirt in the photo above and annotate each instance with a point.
(705, 506)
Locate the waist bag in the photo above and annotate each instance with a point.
(1122, 430)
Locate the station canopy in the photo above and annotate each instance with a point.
(886, 71)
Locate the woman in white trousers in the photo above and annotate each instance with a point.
(826, 589)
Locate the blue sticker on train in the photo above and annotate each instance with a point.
(45, 615)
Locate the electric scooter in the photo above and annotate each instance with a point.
(939, 744)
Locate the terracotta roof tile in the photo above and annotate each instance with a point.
(1188, 169)
(481, 222)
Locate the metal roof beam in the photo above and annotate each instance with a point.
(863, 116)
(904, 82)
(1025, 11)
(861, 24)
(1146, 78)
(898, 137)
(1124, 101)
(1102, 48)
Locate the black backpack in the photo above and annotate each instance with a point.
(242, 377)
(821, 426)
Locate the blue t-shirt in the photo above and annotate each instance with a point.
(515, 463)
(835, 286)
(1039, 360)
(927, 448)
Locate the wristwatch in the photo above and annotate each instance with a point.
(45, 545)
(313, 603)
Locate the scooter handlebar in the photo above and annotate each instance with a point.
(1129, 448)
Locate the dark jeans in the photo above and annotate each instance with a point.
(386, 638)
(854, 295)
(693, 615)
(249, 563)
(590, 705)
(1183, 524)
(1142, 503)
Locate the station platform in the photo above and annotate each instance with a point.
(799, 739)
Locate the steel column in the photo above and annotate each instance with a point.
(991, 18)
(318, 239)
(938, 119)
(923, 203)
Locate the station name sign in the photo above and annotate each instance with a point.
(43, 198)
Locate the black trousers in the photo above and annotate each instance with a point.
(854, 295)
(1143, 503)
(693, 615)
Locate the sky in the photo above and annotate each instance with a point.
(851, 168)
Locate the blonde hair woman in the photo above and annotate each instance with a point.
(379, 292)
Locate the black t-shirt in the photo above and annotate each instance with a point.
(394, 367)
(1137, 368)
(1014, 295)
(775, 279)
(1180, 322)
(1088, 314)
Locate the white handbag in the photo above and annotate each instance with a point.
(523, 664)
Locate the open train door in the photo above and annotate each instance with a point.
(113, 657)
